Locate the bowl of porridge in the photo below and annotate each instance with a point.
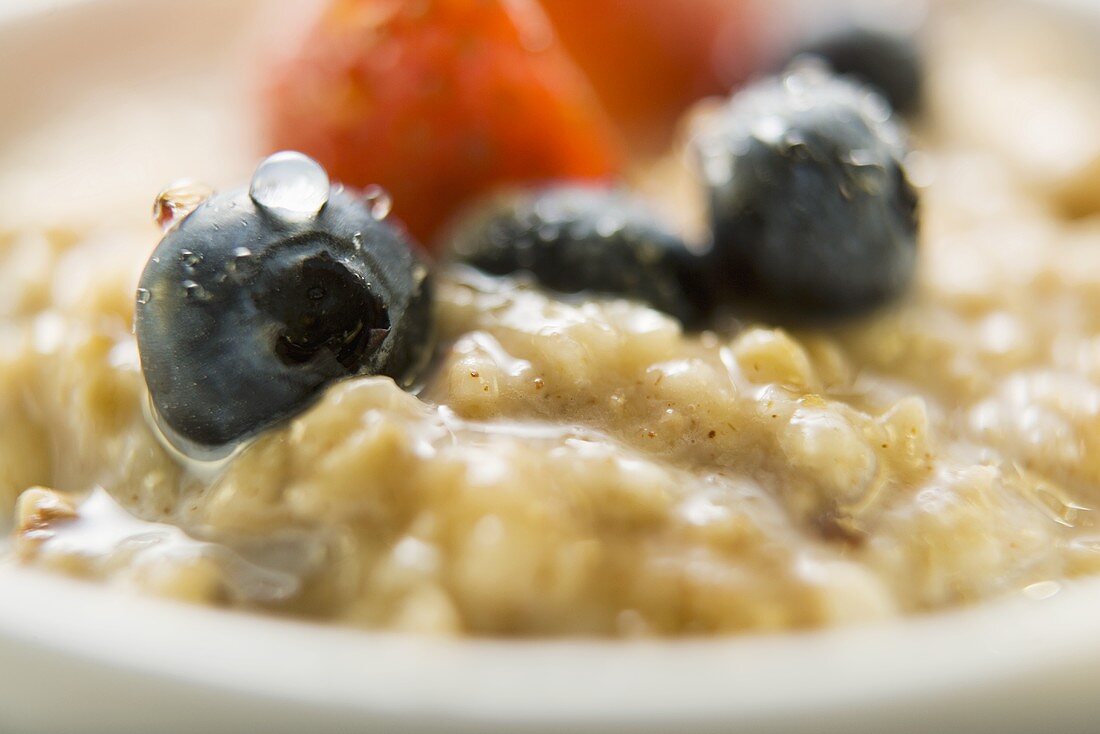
(459, 389)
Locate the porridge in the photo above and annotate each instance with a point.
(586, 465)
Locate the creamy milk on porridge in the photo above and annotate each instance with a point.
(584, 467)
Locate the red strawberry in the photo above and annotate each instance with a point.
(439, 101)
(650, 59)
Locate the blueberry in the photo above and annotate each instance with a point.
(887, 60)
(574, 238)
(810, 209)
(247, 310)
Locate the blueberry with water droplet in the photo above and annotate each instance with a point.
(250, 306)
(378, 201)
(810, 209)
(578, 238)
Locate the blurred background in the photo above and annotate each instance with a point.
(164, 93)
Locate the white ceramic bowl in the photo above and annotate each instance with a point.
(75, 657)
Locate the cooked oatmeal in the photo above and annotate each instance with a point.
(581, 466)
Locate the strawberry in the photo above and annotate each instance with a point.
(438, 101)
(650, 59)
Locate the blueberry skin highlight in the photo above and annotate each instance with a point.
(243, 317)
(811, 213)
(574, 238)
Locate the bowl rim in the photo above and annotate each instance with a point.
(555, 681)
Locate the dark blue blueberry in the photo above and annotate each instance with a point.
(886, 60)
(577, 238)
(811, 211)
(244, 315)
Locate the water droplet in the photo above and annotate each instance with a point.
(357, 240)
(608, 224)
(920, 169)
(241, 263)
(548, 232)
(177, 200)
(792, 139)
(1042, 590)
(861, 157)
(144, 296)
(290, 184)
(717, 168)
(796, 83)
(876, 107)
(769, 129)
(190, 259)
(1053, 500)
(1059, 508)
(194, 291)
(378, 201)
